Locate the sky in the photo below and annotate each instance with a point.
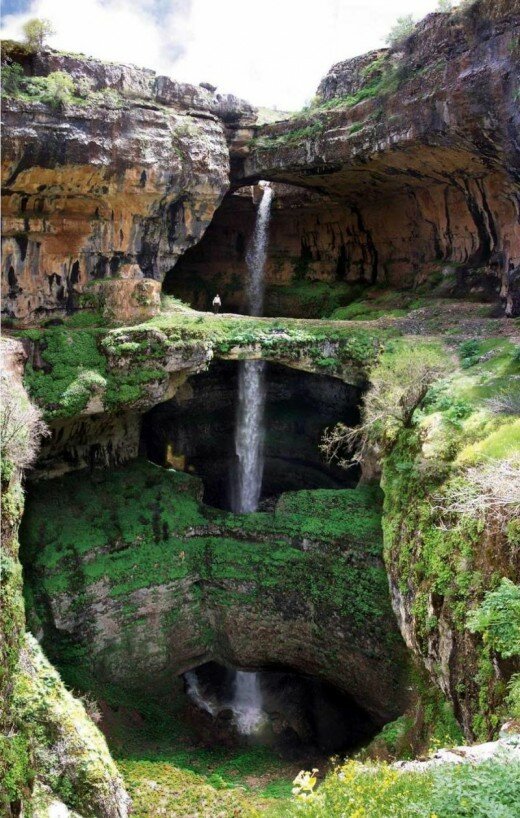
(271, 52)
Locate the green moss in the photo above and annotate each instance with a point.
(144, 527)
(119, 366)
(309, 299)
(74, 368)
(16, 771)
(292, 137)
(67, 749)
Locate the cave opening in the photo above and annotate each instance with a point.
(194, 431)
(295, 714)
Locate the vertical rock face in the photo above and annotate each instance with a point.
(47, 740)
(111, 186)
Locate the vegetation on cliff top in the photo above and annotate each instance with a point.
(71, 365)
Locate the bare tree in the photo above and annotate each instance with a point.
(399, 384)
(490, 486)
(506, 402)
(21, 426)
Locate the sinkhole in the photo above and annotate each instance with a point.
(291, 712)
(195, 431)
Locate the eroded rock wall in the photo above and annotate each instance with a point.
(399, 240)
(113, 187)
(413, 153)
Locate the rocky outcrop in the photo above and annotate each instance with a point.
(48, 744)
(94, 384)
(414, 155)
(114, 185)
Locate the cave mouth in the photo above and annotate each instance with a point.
(194, 432)
(295, 714)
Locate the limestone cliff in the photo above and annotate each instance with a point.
(407, 159)
(114, 184)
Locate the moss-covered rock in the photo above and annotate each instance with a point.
(133, 551)
(442, 556)
(69, 753)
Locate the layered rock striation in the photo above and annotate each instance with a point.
(408, 159)
(110, 186)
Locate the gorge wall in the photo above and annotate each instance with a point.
(407, 159)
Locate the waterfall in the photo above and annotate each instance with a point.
(249, 435)
(257, 252)
(247, 702)
(194, 692)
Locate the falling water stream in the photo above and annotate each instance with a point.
(247, 702)
(249, 444)
(249, 435)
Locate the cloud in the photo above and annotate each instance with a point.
(272, 52)
(145, 32)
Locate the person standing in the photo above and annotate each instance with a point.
(217, 303)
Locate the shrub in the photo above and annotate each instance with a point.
(506, 402)
(400, 30)
(399, 383)
(21, 427)
(492, 486)
(513, 696)
(469, 353)
(60, 89)
(444, 6)
(12, 78)
(498, 619)
(83, 87)
(466, 790)
(36, 32)
(111, 98)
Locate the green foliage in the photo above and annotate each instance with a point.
(68, 751)
(469, 353)
(393, 736)
(56, 89)
(148, 511)
(16, 773)
(158, 788)
(309, 299)
(399, 383)
(513, 696)
(79, 354)
(498, 619)
(440, 557)
(444, 6)
(36, 31)
(59, 89)
(12, 78)
(402, 29)
(76, 368)
(366, 311)
(357, 790)
(293, 137)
